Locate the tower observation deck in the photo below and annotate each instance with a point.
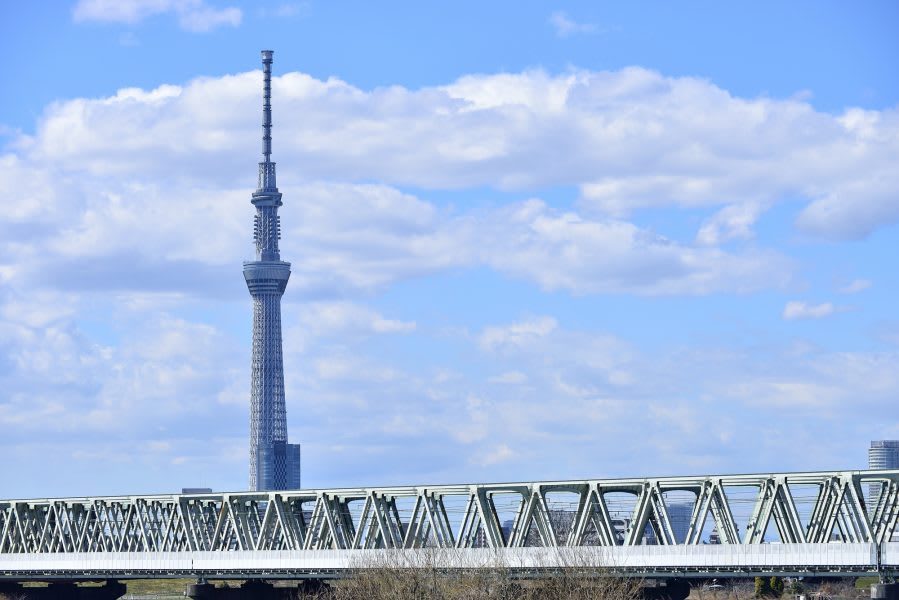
(274, 463)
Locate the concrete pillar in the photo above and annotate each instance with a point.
(61, 590)
(200, 590)
(64, 590)
(12, 589)
(678, 589)
(674, 589)
(885, 591)
(253, 588)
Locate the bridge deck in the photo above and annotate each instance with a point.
(642, 561)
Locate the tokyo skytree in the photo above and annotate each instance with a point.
(274, 464)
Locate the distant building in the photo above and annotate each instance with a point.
(506, 528)
(882, 454)
(679, 514)
(293, 466)
(194, 491)
(715, 537)
(620, 524)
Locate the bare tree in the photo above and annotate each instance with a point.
(439, 575)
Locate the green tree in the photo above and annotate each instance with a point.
(796, 587)
(777, 586)
(762, 587)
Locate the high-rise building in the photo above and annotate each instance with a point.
(882, 454)
(680, 514)
(274, 464)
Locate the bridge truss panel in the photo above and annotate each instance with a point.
(407, 518)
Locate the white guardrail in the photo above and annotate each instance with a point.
(717, 559)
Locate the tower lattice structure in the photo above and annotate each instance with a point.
(274, 463)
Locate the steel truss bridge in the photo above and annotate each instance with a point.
(825, 523)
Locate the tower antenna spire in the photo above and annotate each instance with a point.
(267, 105)
(267, 180)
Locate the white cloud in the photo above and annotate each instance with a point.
(363, 237)
(350, 401)
(788, 394)
(286, 10)
(351, 237)
(38, 309)
(498, 454)
(855, 286)
(517, 335)
(204, 18)
(855, 203)
(681, 416)
(730, 223)
(193, 15)
(509, 378)
(541, 336)
(628, 139)
(124, 11)
(343, 367)
(345, 318)
(161, 370)
(569, 251)
(566, 27)
(382, 325)
(802, 310)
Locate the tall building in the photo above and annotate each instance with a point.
(274, 464)
(882, 454)
(680, 514)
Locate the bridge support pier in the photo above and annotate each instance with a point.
(885, 591)
(64, 590)
(674, 589)
(199, 590)
(10, 588)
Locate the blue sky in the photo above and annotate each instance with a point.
(529, 240)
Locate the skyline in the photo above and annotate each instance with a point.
(536, 243)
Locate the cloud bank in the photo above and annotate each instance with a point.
(118, 299)
(629, 140)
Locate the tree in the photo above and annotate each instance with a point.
(762, 587)
(777, 586)
(796, 587)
